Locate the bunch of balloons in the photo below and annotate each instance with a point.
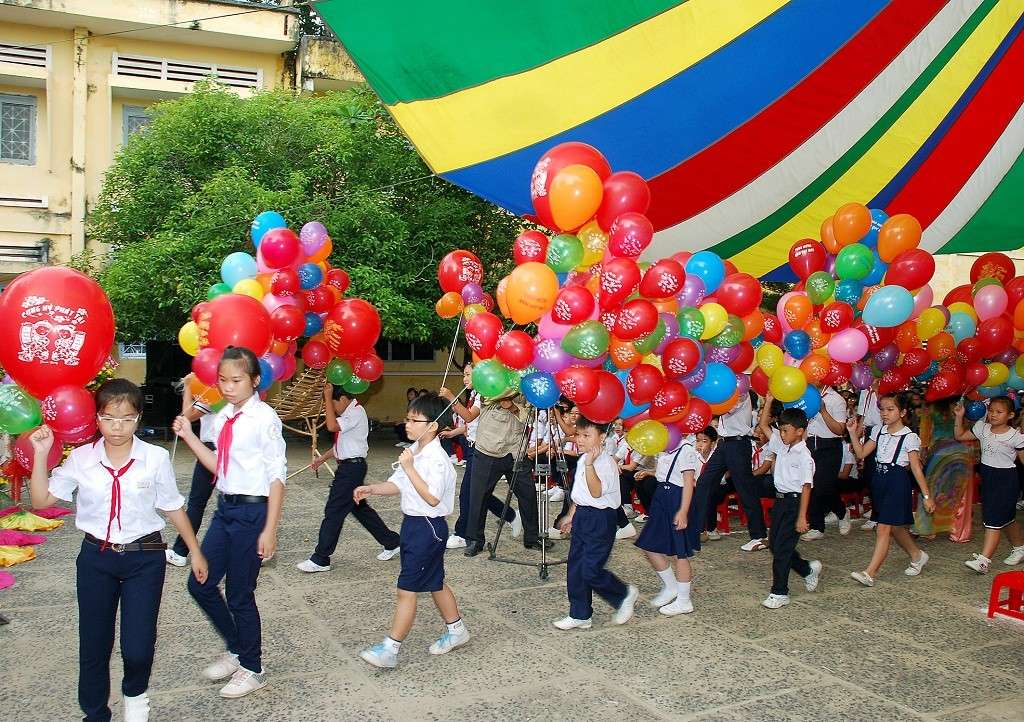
(269, 301)
(662, 345)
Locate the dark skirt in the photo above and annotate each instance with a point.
(660, 534)
(891, 495)
(423, 541)
(1000, 489)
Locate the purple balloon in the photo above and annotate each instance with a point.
(675, 437)
(671, 331)
(548, 355)
(861, 376)
(886, 357)
(721, 355)
(312, 237)
(7, 380)
(590, 363)
(693, 291)
(696, 378)
(742, 383)
(472, 293)
(1008, 357)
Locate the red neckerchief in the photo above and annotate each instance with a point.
(115, 498)
(224, 439)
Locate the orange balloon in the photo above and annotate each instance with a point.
(666, 305)
(532, 288)
(815, 368)
(449, 305)
(593, 284)
(279, 347)
(851, 223)
(818, 336)
(623, 354)
(753, 324)
(208, 395)
(501, 298)
(828, 237)
(798, 311)
(941, 346)
(323, 252)
(906, 336)
(265, 280)
(1018, 316)
(574, 196)
(718, 409)
(324, 267)
(865, 296)
(899, 233)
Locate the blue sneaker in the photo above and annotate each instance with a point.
(380, 656)
(449, 641)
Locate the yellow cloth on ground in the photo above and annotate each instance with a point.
(9, 556)
(27, 521)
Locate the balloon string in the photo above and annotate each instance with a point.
(451, 352)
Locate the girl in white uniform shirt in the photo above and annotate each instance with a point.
(1000, 445)
(118, 482)
(250, 470)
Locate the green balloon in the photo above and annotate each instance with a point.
(820, 287)
(515, 378)
(691, 322)
(217, 289)
(490, 378)
(646, 344)
(855, 262)
(356, 385)
(731, 335)
(982, 282)
(338, 371)
(19, 412)
(586, 340)
(564, 253)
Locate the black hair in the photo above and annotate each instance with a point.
(711, 432)
(423, 392)
(776, 409)
(796, 418)
(248, 359)
(338, 393)
(903, 403)
(1011, 407)
(565, 404)
(117, 390)
(584, 423)
(434, 408)
(411, 388)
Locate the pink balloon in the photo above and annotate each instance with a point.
(273, 301)
(848, 346)
(922, 300)
(990, 301)
(549, 328)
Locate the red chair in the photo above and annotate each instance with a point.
(1013, 605)
(854, 502)
(730, 507)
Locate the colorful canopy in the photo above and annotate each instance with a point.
(752, 121)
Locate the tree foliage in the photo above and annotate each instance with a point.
(180, 196)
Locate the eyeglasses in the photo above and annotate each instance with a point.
(114, 421)
(416, 421)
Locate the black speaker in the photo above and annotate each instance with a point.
(160, 404)
(166, 363)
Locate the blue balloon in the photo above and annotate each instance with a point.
(798, 343)
(539, 389)
(992, 391)
(878, 217)
(310, 276)
(237, 266)
(809, 402)
(609, 365)
(718, 385)
(889, 306)
(561, 278)
(975, 410)
(265, 221)
(631, 409)
(1014, 381)
(757, 340)
(849, 291)
(877, 272)
(933, 368)
(313, 324)
(961, 326)
(266, 376)
(709, 268)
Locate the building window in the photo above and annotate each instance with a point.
(135, 119)
(403, 351)
(18, 129)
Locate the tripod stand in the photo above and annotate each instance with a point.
(541, 475)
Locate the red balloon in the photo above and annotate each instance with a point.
(609, 400)
(338, 278)
(994, 336)
(81, 435)
(953, 367)
(59, 329)
(963, 294)
(681, 357)
(911, 269)
(559, 157)
(739, 294)
(457, 269)
(514, 349)
(835, 317)
(1014, 292)
(993, 265)
(669, 404)
(287, 323)
(574, 304)
(24, 454)
(630, 421)
(942, 385)
(759, 382)
(285, 282)
(968, 351)
(608, 318)
(619, 278)
(915, 361)
(368, 367)
(807, 257)
(838, 373)
(743, 359)
(878, 338)
(578, 384)
(663, 279)
(637, 318)
(487, 302)
(643, 382)
(772, 329)
(696, 416)
(624, 192)
(279, 247)
(69, 411)
(894, 379)
(315, 354)
(629, 235)
(200, 310)
(205, 363)
(353, 325)
(975, 373)
(530, 246)
(235, 320)
(289, 367)
(482, 332)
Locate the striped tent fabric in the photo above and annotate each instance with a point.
(752, 121)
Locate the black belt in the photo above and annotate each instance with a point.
(818, 442)
(149, 543)
(787, 495)
(243, 499)
(353, 460)
(736, 438)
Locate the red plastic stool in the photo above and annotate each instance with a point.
(635, 501)
(1013, 605)
(725, 511)
(766, 507)
(854, 502)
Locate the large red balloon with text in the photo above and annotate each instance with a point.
(351, 327)
(559, 157)
(58, 329)
(235, 320)
(609, 400)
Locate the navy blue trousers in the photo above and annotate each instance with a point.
(230, 550)
(732, 455)
(135, 580)
(494, 505)
(350, 474)
(198, 497)
(593, 535)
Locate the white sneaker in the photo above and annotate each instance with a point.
(1015, 558)
(915, 567)
(556, 494)
(831, 518)
(714, 535)
(665, 596)
(755, 545)
(679, 606)
(625, 611)
(517, 525)
(311, 567)
(979, 563)
(626, 532)
(775, 601)
(175, 559)
(641, 518)
(379, 655)
(136, 709)
(868, 525)
(454, 459)
(388, 554)
(455, 542)
(845, 525)
(448, 641)
(813, 535)
(568, 623)
(224, 666)
(1020, 505)
(812, 579)
(243, 681)
(553, 533)
(864, 578)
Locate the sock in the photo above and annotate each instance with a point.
(684, 590)
(392, 645)
(456, 627)
(668, 577)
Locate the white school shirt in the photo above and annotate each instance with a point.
(998, 450)
(608, 473)
(885, 444)
(353, 428)
(849, 458)
(663, 462)
(624, 451)
(257, 453)
(835, 405)
(867, 407)
(147, 486)
(691, 460)
(206, 434)
(794, 465)
(540, 433)
(435, 468)
(474, 403)
(739, 420)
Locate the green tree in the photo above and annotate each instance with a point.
(180, 196)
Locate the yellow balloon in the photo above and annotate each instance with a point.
(655, 360)
(188, 338)
(249, 287)
(594, 241)
(715, 318)
(962, 307)
(471, 310)
(997, 374)
(787, 384)
(929, 323)
(769, 358)
(649, 437)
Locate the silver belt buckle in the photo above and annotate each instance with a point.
(119, 548)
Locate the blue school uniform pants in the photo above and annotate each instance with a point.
(593, 535)
(782, 540)
(494, 505)
(349, 474)
(198, 497)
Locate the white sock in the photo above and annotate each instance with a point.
(684, 590)
(456, 627)
(392, 644)
(668, 577)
